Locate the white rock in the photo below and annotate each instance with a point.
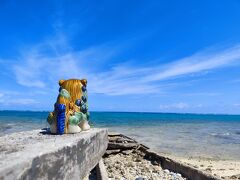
(166, 171)
(179, 175)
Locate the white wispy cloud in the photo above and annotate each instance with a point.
(236, 104)
(18, 101)
(10, 98)
(123, 79)
(179, 105)
(46, 63)
(202, 94)
(201, 61)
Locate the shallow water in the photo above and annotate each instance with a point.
(210, 136)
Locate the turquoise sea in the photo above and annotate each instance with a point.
(196, 135)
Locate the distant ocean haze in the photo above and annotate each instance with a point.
(214, 136)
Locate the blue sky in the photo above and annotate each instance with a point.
(153, 56)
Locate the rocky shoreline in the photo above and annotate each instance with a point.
(124, 160)
(133, 166)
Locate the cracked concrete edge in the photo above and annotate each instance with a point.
(70, 161)
(101, 171)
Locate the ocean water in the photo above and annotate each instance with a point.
(195, 135)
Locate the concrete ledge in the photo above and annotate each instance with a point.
(101, 171)
(35, 155)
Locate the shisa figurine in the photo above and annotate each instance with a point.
(70, 113)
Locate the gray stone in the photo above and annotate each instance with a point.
(114, 151)
(126, 152)
(35, 155)
(124, 146)
(101, 171)
(139, 178)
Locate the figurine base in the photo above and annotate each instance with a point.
(73, 129)
(84, 125)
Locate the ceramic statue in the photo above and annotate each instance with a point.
(70, 113)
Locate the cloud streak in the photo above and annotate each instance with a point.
(198, 62)
(10, 98)
(46, 63)
(143, 80)
(180, 105)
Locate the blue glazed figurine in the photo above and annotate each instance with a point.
(70, 114)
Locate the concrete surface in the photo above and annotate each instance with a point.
(36, 155)
(101, 171)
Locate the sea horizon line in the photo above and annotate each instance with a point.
(145, 112)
